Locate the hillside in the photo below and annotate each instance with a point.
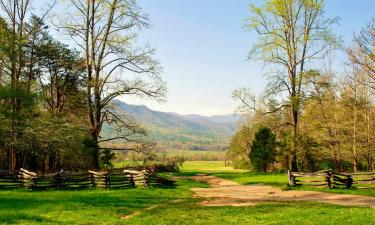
(183, 131)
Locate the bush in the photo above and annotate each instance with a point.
(262, 151)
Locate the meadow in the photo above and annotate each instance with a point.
(175, 205)
(133, 158)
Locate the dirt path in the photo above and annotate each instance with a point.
(229, 193)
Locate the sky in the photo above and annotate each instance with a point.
(203, 47)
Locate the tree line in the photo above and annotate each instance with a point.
(322, 116)
(56, 97)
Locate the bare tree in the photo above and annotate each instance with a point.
(362, 52)
(105, 30)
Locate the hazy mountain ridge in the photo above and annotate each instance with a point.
(166, 126)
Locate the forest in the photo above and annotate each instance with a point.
(319, 106)
(56, 97)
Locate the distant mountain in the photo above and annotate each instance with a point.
(192, 130)
(232, 118)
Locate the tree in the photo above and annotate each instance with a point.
(14, 66)
(362, 53)
(45, 131)
(60, 72)
(292, 33)
(262, 151)
(239, 148)
(106, 31)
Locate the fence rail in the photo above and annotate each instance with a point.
(331, 179)
(90, 179)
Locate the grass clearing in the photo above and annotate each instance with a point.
(278, 213)
(208, 167)
(191, 155)
(108, 206)
(86, 206)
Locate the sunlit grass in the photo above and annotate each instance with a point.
(86, 206)
(278, 213)
(209, 167)
(171, 205)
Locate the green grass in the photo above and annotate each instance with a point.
(218, 168)
(86, 206)
(208, 167)
(351, 191)
(273, 179)
(108, 206)
(191, 155)
(280, 213)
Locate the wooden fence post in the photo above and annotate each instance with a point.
(350, 182)
(329, 178)
(22, 181)
(92, 179)
(106, 180)
(291, 179)
(132, 179)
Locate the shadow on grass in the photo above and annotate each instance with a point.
(17, 217)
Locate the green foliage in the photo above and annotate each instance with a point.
(25, 102)
(262, 151)
(41, 102)
(292, 34)
(106, 158)
(239, 148)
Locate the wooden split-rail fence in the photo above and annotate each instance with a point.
(331, 179)
(91, 179)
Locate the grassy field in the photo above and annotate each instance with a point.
(170, 205)
(280, 213)
(86, 206)
(187, 155)
(208, 167)
(190, 155)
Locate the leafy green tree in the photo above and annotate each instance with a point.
(262, 151)
(106, 158)
(239, 148)
(46, 130)
(292, 34)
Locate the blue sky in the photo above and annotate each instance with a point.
(202, 47)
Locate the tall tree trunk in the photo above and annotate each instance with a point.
(293, 161)
(355, 166)
(13, 77)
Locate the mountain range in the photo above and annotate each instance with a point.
(183, 131)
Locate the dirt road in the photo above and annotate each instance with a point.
(229, 193)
